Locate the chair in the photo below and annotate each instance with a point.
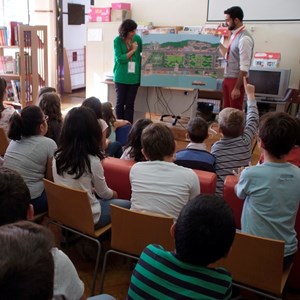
(3, 142)
(232, 199)
(122, 134)
(256, 264)
(132, 231)
(70, 209)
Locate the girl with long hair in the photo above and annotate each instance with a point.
(77, 163)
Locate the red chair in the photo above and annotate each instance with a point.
(237, 206)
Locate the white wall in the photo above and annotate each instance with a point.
(283, 37)
(44, 13)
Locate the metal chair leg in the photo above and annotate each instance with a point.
(103, 270)
(96, 267)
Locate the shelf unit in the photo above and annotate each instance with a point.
(33, 65)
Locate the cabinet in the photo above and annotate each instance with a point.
(31, 69)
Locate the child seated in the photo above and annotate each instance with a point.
(233, 150)
(113, 124)
(133, 148)
(50, 105)
(271, 190)
(158, 185)
(293, 156)
(195, 156)
(203, 234)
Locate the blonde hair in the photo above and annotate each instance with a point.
(231, 122)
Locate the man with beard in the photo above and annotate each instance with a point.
(238, 55)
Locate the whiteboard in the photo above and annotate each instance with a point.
(256, 10)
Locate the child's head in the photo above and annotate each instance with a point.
(46, 89)
(14, 197)
(28, 123)
(108, 112)
(157, 142)
(204, 231)
(197, 130)
(231, 122)
(50, 105)
(134, 138)
(27, 265)
(278, 133)
(95, 105)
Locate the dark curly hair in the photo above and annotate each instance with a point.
(134, 139)
(127, 26)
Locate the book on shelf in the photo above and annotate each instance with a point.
(14, 33)
(15, 84)
(7, 64)
(3, 36)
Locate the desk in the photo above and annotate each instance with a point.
(165, 100)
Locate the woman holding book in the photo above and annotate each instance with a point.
(127, 68)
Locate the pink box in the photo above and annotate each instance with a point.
(99, 14)
(121, 5)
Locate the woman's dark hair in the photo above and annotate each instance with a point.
(134, 139)
(108, 116)
(3, 86)
(27, 123)
(80, 137)
(127, 26)
(95, 105)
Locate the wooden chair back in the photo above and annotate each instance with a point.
(70, 207)
(132, 231)
(257, 263)
(3, 142)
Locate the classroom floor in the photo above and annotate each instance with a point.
(119, 269)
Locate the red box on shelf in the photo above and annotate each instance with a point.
(121, 5)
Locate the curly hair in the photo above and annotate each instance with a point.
(127, 26)
(134, 139)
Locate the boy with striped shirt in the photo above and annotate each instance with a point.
(233, 150)
(203, 233)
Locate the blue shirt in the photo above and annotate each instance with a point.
(272, 196)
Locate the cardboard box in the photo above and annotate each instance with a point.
(266, 59)
(118, 15)
(121, 5)
(99, 14)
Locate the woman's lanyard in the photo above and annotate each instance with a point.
(131, 64)
(234, 36)
(128, 49)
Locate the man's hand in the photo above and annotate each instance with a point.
(235, 94)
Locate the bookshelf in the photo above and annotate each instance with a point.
(30, 69)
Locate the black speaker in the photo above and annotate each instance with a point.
(92, 2)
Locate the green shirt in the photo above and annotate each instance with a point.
(121, 74)
(160, 275)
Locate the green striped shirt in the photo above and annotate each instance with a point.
(160, 275)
